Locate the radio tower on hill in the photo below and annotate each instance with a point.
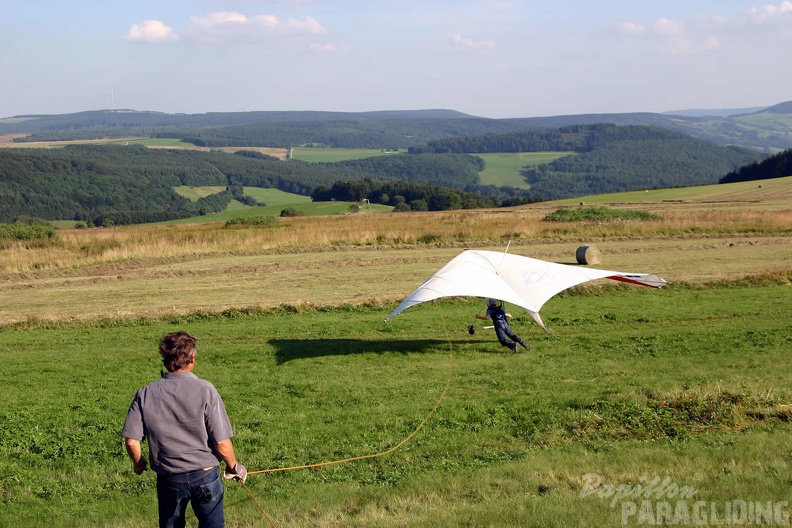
(112, 95)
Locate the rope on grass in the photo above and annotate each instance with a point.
(373, 455)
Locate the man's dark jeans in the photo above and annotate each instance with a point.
(202, 488)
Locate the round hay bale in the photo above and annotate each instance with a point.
(588, 255)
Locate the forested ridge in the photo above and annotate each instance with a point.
(777, 166)
(133, 184)
(609, 158)
(121, 185)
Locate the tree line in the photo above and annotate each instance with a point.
(403, 196)
(609, 158)
(111, 184)
(777, 166)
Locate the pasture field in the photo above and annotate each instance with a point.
(503, 169)
(756, 196)
(331, 155)
(166, 143)
(275, 201)
(194, 193)
(687, 385)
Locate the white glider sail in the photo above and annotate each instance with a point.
(522, 281)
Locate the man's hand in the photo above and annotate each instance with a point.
(239, 473)
(140, 466)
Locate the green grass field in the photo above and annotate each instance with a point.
(160, 142)
(503, 169)
(275, 200)
(689, 385)
(331, 155)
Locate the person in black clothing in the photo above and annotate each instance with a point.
(500, 318)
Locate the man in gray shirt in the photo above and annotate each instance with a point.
(188, 431)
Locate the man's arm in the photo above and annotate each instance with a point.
(225, 448)
(135, 452)
(226, 451)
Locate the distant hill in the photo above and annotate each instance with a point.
(722, 112)
(127, 119)
(768, 130)
(608, 158)
(778, 166)
(780, 108)
(117, 184)
(114, 184)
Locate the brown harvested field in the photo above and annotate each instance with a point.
(354, 259)
(280, 153)
(8, 141)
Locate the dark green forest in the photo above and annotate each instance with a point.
(609, 158)
(403, 196)
(777, 166)
(113, 184)
(106, 185)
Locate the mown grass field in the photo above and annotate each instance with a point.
(166, 143)
(687, 385)
(631, 385)
(275, 201)
(331, 155)
(504, 169)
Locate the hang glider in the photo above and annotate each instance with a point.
(522, 281)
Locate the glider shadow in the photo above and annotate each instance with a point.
(291, 349)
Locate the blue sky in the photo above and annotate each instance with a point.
(491, 58)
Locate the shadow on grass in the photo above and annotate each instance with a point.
(290, 349)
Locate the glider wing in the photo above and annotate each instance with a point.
(522, 281)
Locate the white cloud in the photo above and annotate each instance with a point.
(151, 31)
(218, 19)
(458, 41)
(768, 11)
(668, 36)
(306, 25)
(230, 23)
(631, 28)
(267, 21)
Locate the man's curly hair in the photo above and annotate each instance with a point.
(177, 349)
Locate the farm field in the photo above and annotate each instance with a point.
(167, 143)
(765, 195)
(331, 155)
(704, 237)
(504, 169)
(275, 201)
(687, 385)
